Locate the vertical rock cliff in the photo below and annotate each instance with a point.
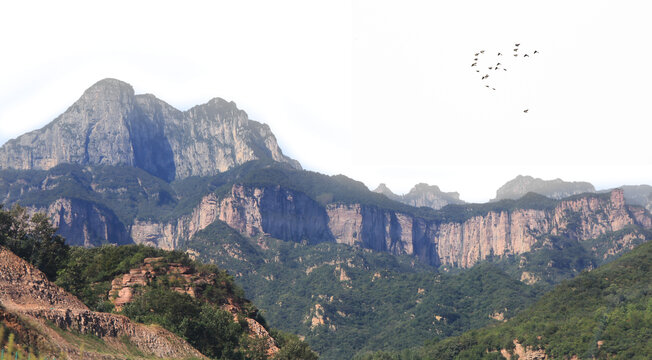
(110, 125)
(291, 215)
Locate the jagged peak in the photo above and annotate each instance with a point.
(425, 187)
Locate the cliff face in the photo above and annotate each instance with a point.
(83, 223)
(555, 189)
(290, 215)
(252, 211)
(110, 125)
(26, 293)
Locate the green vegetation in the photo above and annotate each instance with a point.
(367, 300)
(33, 239)
(602, 314)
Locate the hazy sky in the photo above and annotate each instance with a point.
(379, 91)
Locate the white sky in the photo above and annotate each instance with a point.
(379, 91)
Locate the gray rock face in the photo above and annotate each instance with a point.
(423, 195)
(555, 189)
(110, 125)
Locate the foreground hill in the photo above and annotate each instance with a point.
(602, 314)
(51, 320)
(110, 125)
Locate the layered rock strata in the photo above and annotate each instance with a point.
(250, 210)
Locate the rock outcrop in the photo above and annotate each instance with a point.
(291, 215)
(555, 189)
(422, 195)
(26, 293)
(186, 281)
(110, 125)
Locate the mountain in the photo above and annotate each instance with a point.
(555, 189)
(323, 256)
(422, 195)
(110, 125)
(601, 314)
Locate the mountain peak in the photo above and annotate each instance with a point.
(109, 89)
(556, 188)
(110, 125)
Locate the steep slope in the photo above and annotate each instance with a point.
(26, 294)
(555, 189)
(110, 125)
(422, 195)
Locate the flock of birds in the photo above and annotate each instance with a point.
(498, 65)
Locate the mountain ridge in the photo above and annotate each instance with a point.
(110, 125)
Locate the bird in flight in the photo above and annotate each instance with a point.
(517, 45)
(499, 54)
(536, 52)
(526, 110)
(526, 55)
(486, 76)
(474, 64)
(476, 54)
(481, 51)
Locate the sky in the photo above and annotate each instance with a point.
(380, 91)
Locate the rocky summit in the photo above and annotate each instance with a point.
(422, 195)
(110, 125)
(555, 189)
